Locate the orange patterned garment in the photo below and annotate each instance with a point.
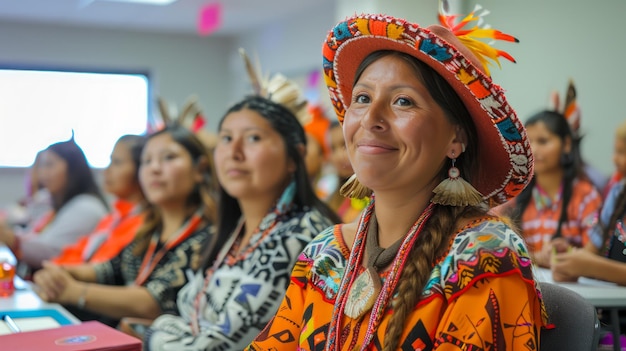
(112, 234)
(541, 217)
(480, 296)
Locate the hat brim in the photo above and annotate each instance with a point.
(505, 160)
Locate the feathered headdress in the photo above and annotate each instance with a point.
(278, 88)
(191, 117)
(472, 37)
(570, 109)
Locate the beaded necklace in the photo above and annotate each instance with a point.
(268, 223)
(350, 275)
(366, 287)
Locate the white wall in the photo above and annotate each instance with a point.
(178, 65)
(563, 39)
(559, 39)
(292, 47)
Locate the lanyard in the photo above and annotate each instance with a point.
(151, 259)
(95, 240)
(195, 327)
(43, 222)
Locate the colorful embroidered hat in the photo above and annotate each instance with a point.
(505, 158)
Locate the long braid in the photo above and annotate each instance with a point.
(430, 245)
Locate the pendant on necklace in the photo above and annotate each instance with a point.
(363, 293)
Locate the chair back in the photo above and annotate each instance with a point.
(575, 320)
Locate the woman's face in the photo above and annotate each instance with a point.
(167, 173)
(119, 176)
(619, 155)
(339, 156)
(52, 173)
(251, 158)
(397, 136)
(546, 146)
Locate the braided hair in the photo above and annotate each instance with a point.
(433, 242)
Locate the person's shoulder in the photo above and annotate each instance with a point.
(487, 234)
(584, 187)
(485, 247)
(85, 203)
(617, 187)
(307, 221)
(327, 240)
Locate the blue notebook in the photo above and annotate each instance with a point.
(30, 320)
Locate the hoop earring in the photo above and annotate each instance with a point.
(353, 189)
(456, 191)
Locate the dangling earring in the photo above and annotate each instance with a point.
(456, 191)
(353, 189)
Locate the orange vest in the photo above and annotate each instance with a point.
(113, 233)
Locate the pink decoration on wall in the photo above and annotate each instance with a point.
(210, 18)
(314, 78)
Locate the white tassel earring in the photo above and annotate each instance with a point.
(456, 191)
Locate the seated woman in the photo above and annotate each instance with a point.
(619, 158)
(268, 212)
(143, 280)
(426, 266)
(560, 203)
(77, 207)
(116, 230)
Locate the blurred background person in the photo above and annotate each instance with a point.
(316, 147)
(116, 230)
(570, 110)
(346, 208)
(143, 280)
(560, 203)
(619, 158)
(77, 207)
(268, 214)
(604, 257)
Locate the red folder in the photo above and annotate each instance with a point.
(87, 336)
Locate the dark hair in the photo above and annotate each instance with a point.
(285, 123)
(203, 195)
(80, 179)
(571, 162)
(135, 144)
(433, 241)
(619, 210)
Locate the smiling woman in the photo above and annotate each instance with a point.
(418, 270)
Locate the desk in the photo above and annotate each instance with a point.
(24, 298)
(599, 293)
(27, 299)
